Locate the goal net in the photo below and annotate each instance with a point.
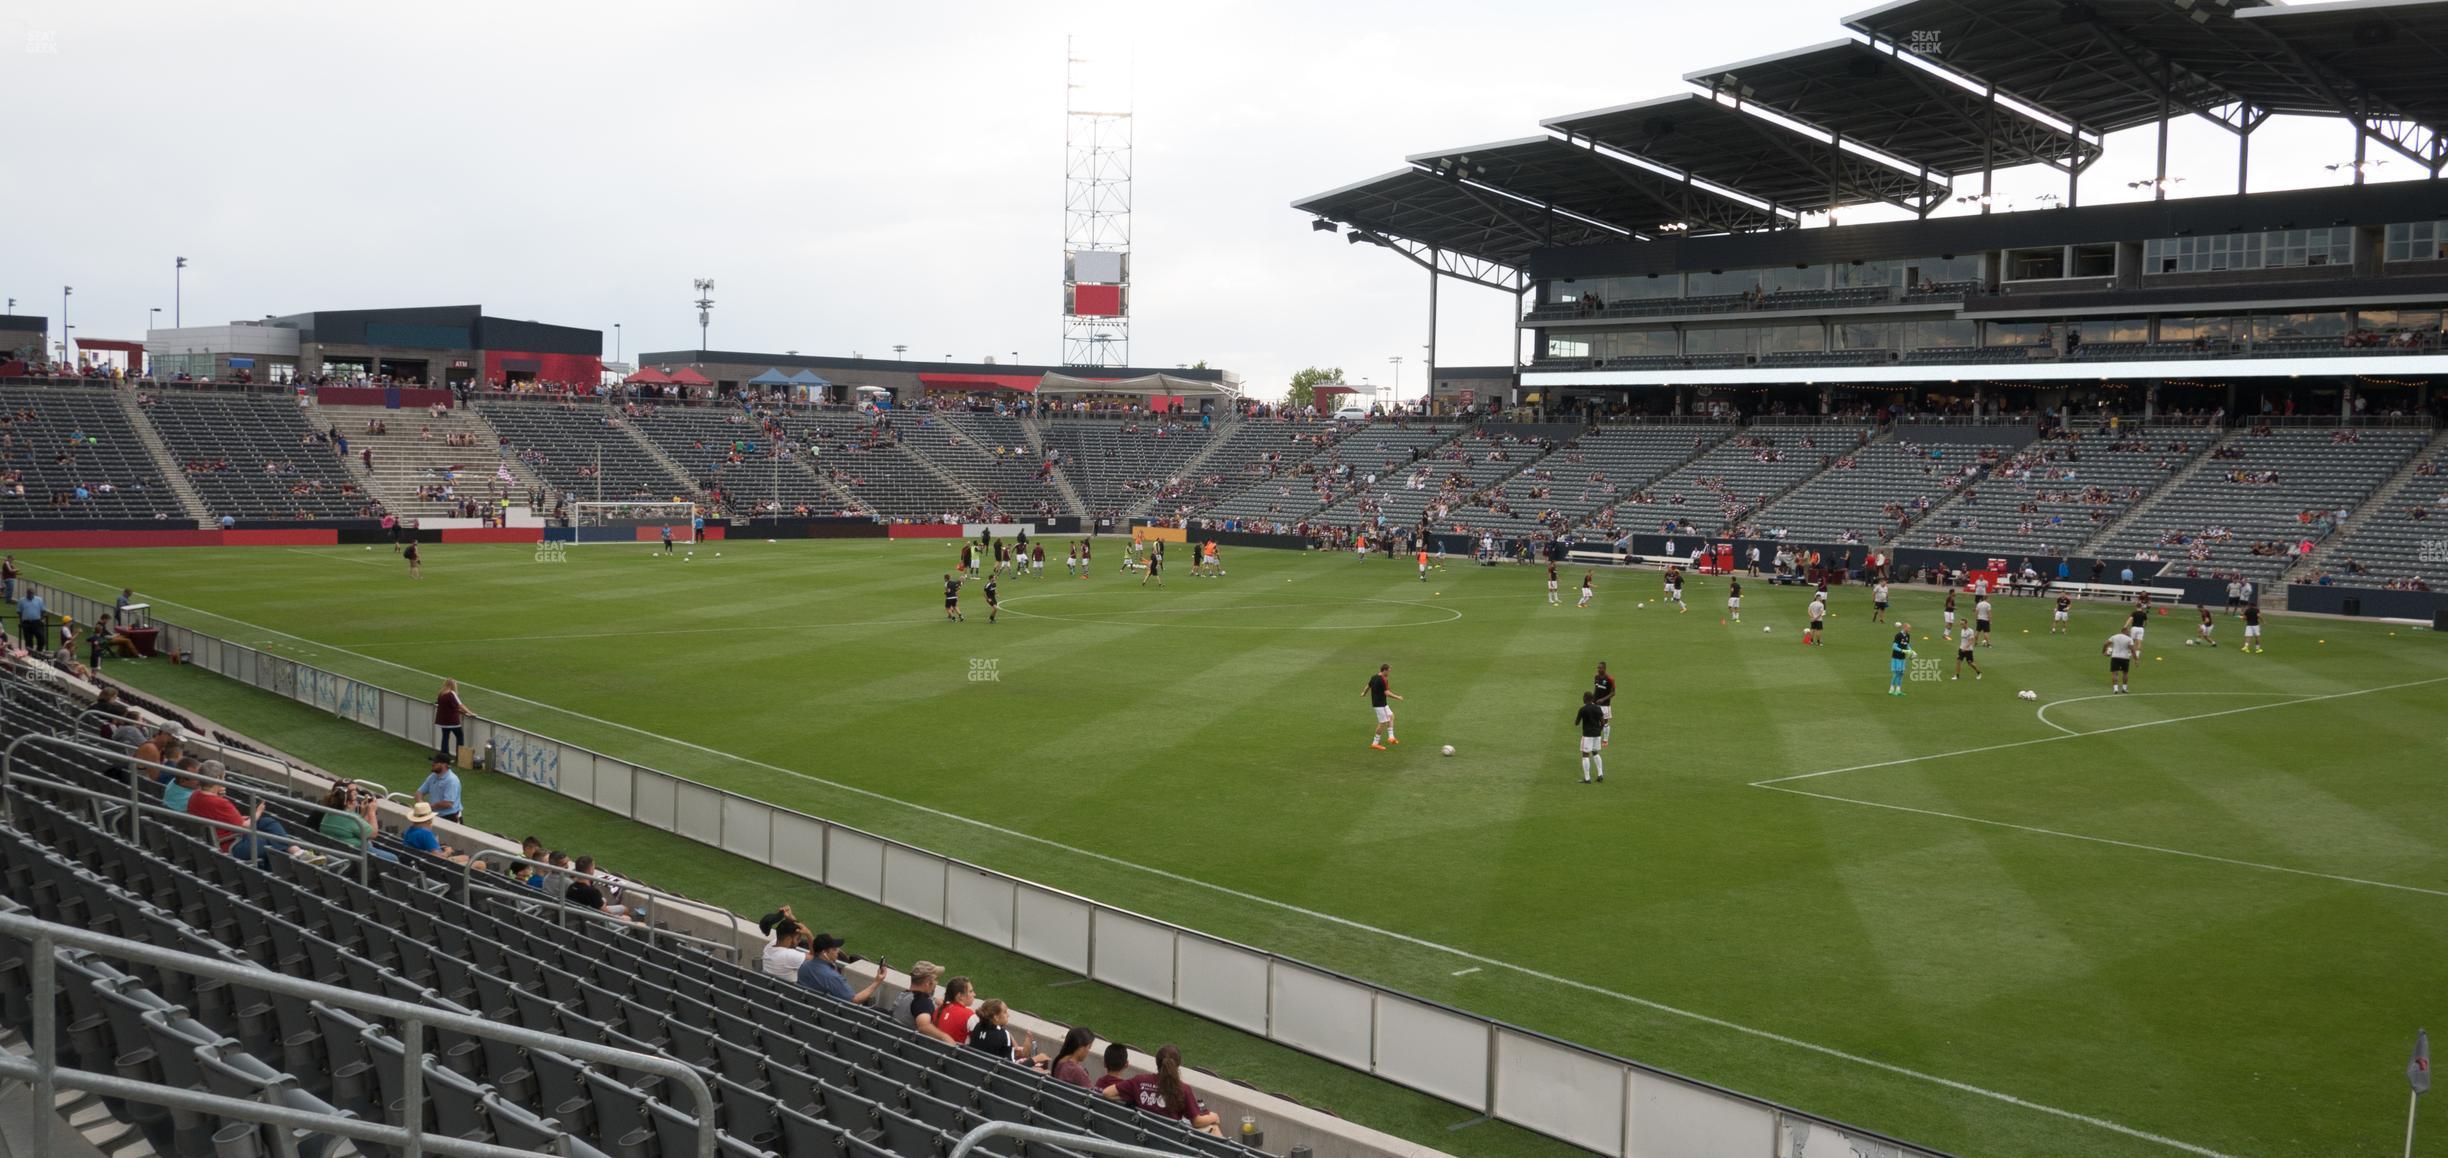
(633, 521)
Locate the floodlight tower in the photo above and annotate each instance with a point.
(1096, 215)
(705, 310)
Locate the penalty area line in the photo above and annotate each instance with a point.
(2012, 744)
(1253, 898)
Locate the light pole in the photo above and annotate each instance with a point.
(152, 318)
(616, 342)
(898, 351)
(67, 352)
(178, 293)
(1397, 361)
(705, 310)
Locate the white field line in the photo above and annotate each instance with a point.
(2094, 732)
(1285, 906)
(1779, 784)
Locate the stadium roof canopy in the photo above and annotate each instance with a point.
(1724, 146)
(1632, 198)
(1410, 209)
(2108, 64)
(2393, 48)
(1898, 105)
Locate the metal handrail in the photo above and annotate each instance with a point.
(136, 787)
(47, 1076)
(467, 877)
(1086, 1142)
(530, 896)
(175, 814)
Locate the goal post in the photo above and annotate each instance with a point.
(633, 521)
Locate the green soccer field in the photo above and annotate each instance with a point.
(2207, 917)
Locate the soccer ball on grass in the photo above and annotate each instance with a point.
(2027, 694)
(1449, 749)
(1768, 627)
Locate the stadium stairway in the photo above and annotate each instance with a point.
(405, 460)
(2141, 507)
(658, 457)
(1760, 506)
(173, 478)
(2401, 492)
(1195, 467)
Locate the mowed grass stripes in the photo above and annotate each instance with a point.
(1925, 939)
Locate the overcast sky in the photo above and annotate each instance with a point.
(852, 176)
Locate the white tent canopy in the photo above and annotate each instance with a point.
(1144, 384)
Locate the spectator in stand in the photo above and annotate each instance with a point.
(915, 1007)
(784, 957)
(1071, 1064)
(990, 1033)
(1117, 1065)
(419, 836)
(766, 923)
(349, 824)
(441, 789)
(179, 789)
(1164, 1094)
(156, 746)
(211, 801)
(953, 1013)
(450, 718)
(587, 889)
(822, 972)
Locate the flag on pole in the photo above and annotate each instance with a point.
(2418, 1068)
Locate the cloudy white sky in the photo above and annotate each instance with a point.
(854, 176)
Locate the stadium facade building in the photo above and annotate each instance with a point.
(907, 381)
(24, 336)
(1658, 253)
(433, 345)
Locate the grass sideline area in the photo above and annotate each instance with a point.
(2184, 920)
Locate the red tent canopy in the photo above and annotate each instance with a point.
(649, 377)
(1024, 383)
(688, 376)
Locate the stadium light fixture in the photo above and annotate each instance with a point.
(1322, 225)
(705, 309)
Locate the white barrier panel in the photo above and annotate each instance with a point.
(615, 785)
(1323, 1014)
(1224, 982)
(697, 813)
(799, 844)
(747, 828)
(1559, 1091)
(854, 863)
(914, 882)
(1666, 1118)
(1133, 955)
(979, 904)
(1433, 1050)
(1053, 928)
(577, 773)
(654, 799)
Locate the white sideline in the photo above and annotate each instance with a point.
(1286, 906)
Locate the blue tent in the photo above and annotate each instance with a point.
(771, 377)
(807, 378)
